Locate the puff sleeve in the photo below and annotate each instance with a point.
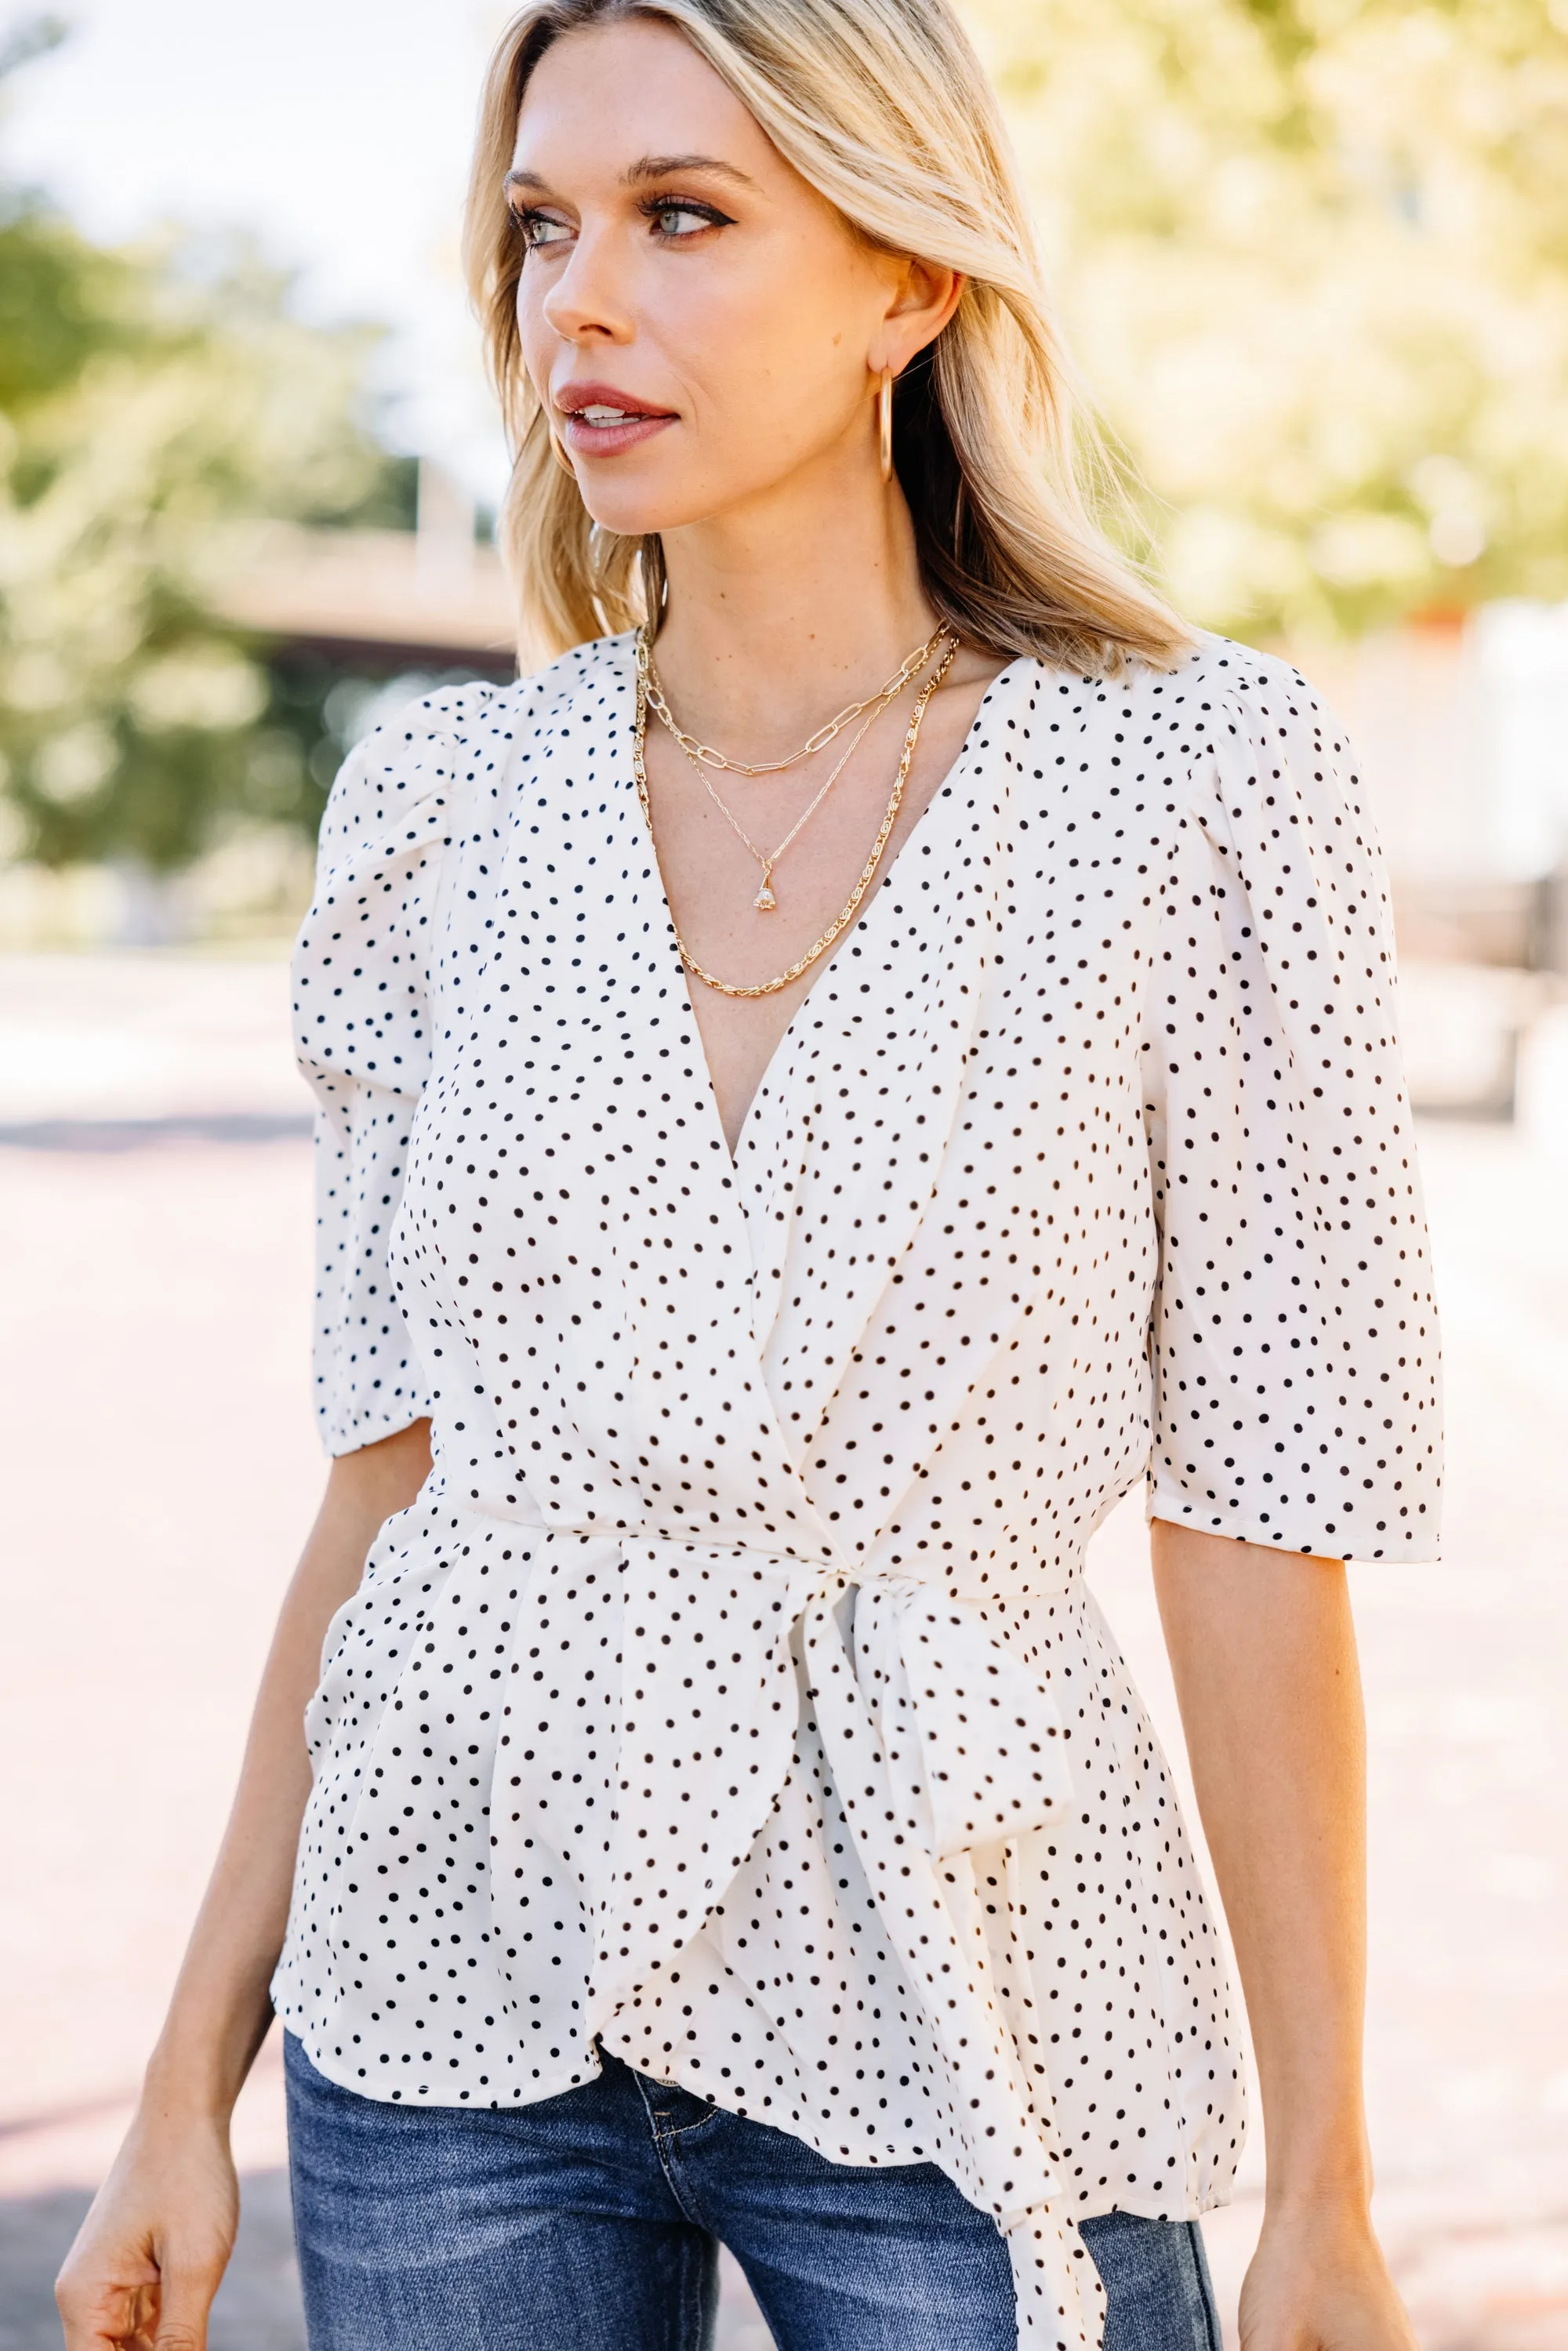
(361, 1033)
(1293, 1340)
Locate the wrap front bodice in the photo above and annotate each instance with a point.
(731, 1697)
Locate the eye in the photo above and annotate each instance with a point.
(537, 229)
(675, 221)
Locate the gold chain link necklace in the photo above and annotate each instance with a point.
(847, 913)
(709, 758)
(765, 901)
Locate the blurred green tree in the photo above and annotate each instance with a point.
(1313, 256)
(148, 399)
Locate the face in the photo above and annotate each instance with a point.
(701, 324)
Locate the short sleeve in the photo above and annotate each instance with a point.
(362, 1032)
(1294, 1338)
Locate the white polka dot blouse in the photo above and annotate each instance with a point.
(731, 1697)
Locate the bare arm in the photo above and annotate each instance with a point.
(1263, 1651)
(152, 2250)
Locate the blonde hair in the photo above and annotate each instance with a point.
(884, 109)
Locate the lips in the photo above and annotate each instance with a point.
(602, 420)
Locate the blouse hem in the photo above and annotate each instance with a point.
(338, 1442)
(1423, 1551)
(553, 2085)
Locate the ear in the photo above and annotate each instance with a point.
(923, 296)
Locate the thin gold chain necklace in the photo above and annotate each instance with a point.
(847, 913)
(709, 758)
(765, 901)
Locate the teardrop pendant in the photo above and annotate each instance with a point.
(765, 901)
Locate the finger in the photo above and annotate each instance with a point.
(145, 2318)
(98, 2317)
(184, 2304)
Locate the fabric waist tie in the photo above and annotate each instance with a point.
(939, 1740)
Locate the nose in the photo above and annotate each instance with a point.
(583, 304)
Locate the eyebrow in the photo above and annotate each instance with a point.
(660, 167)
(646, 168)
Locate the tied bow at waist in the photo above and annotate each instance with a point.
(971, 1739)
(940, 1745)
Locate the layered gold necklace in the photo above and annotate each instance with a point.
(707, 757)
(765, 899)
(701, 758)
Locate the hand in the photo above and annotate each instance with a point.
(1318, 2282)
(148, 2257)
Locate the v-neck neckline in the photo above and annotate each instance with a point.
(944, 792)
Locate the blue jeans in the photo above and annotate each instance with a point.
(591, 2222)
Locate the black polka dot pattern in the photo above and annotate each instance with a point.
(732, 1694)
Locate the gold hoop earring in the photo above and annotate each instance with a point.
(884, 422)
(562, 460)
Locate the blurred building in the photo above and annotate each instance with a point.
(346, 623)
(1462, 726)
(433, 599)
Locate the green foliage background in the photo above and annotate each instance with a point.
(1313, 257)
(149, 401)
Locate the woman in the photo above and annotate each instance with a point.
(841, 1076)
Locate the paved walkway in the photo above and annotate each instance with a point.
(159, 1469)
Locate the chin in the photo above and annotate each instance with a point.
(628, 515)
(633, 509)
(635, 504)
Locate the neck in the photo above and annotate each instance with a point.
(782, 611)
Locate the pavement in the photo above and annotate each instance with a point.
(160, 1468)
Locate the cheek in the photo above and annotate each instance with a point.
(537, 341)
(769, 338)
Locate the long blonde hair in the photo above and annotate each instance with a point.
(884, 109)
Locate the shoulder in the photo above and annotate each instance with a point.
(389, 819)
(571, 715)
(1260, 696)
(405, 775)
(1163, 718)
(1271, 749)
(1232, 696)
(1231, 720)
(1230, 743)
(406, 769)
(585, 680)
(1273, 785)
(1145, 739)
(582, 678)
